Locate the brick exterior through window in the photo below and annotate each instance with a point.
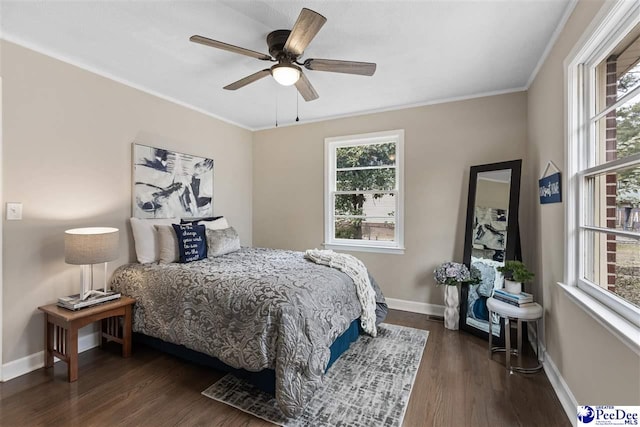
(611, 152)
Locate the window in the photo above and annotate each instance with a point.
(363, 192)
(603, 197)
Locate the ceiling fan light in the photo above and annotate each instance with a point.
(285, 74)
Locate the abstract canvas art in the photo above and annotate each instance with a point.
(169, 184)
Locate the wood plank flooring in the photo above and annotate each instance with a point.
(456, 385)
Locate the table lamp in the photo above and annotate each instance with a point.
(89, 246)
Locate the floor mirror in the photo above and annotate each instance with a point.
(491, 237)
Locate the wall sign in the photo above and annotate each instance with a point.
(550, 189)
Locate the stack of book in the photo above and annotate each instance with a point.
(522, 299)
(74, 302)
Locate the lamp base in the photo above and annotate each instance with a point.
(95, 294)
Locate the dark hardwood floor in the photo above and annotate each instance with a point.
(456, 385)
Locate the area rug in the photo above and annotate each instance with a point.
(368, 385)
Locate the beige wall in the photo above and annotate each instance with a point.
(441, 143)
(67, 158)
(598, 368)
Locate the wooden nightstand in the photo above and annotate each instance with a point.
(65, 323)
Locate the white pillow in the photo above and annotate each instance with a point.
(168, 244)
(145, 237)
(218, 224)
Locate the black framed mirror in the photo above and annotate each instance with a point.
(491, 237)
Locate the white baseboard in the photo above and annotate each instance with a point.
(561, 388)
(566, 397)
(35, 361)
(416, 307)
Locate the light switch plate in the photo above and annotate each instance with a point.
(14, 211)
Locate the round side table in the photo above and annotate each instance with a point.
(508, 312)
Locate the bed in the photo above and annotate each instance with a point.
(253, 309)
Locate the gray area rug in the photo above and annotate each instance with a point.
(369, 385)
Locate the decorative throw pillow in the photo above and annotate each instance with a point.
(145, 237)
(220, 242)
(217, 223)
(168, 244)
(196, 220)
(192, 242)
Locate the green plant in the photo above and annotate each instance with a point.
(516, 271)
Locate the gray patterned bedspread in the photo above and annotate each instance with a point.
(252, 309)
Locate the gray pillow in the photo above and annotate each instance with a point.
(220, 242)
(168, 244)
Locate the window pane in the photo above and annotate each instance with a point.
(366, 155)
(613, 264)
(618, 133)
(367, 179)
(628, 198)
(380, 229)
(628, 81)
(613, 200)
(371, 205)
(619, 73)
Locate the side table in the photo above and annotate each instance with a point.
(509, 312)
(61, 330)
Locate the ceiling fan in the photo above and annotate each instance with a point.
(286, 47)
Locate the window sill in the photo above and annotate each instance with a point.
(621, 328)
(358, 248)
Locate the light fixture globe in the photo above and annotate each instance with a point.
(285, 74)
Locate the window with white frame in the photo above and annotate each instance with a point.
(603, 205)
(364, 192)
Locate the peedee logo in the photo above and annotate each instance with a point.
(586, 414)
(608, 415)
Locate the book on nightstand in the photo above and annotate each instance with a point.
(74, 302)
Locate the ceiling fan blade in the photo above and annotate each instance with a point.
(249, 79)
(335, 66)
(306, 90)
(304, 30)
(229, 47)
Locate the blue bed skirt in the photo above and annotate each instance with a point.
(265, 380)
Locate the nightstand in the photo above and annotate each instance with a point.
(61, 330)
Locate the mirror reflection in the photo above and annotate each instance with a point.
(488, 237)
(491, 211)
(490, 215)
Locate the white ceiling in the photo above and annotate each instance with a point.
(426, 51)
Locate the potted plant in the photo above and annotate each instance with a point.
(515, 274)
(451, 274)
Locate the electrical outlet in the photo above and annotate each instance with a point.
(14, 211)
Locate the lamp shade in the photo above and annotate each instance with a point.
(93, 245)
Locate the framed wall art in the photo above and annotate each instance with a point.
(168, 184)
